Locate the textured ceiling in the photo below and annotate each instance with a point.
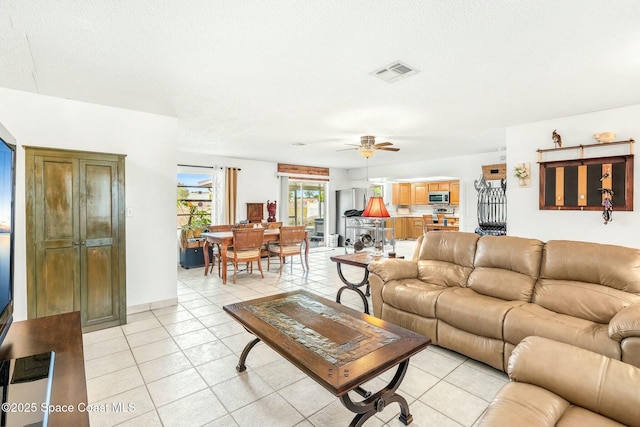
(250, 78)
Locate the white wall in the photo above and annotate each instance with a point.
(148, 140)
(525, 219)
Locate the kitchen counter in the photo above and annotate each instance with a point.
(442, 227)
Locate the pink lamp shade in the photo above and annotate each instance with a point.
(375, 208)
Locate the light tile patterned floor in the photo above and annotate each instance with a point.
(176, 366)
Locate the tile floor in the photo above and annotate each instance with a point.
(176, 366)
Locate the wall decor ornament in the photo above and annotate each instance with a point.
(271, 210)
(604, 137)
(587, 183)
(523, 172)
(557, 139)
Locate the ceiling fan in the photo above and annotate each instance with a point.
(368, 146)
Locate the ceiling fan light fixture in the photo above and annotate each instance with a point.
(366, 152)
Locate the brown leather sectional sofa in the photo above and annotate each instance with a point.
(481, 296)
(581, 388)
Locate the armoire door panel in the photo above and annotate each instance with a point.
(58, 288)
(101, 300)
(57, 236)
(99, 184)
(57, 213)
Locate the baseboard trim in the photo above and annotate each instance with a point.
(133, 309)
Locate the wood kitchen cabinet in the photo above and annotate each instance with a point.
(454, 192)
(401, 228)
(408, 228)
(401, 194)
(438, 186)
(419, 193)
(418, 227)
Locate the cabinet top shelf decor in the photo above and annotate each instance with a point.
(582, 147)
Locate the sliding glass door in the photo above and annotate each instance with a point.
(306, 207)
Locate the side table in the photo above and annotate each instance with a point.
(356, 259)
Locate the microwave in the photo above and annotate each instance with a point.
(438, 197)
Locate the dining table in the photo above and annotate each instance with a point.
(225, 240)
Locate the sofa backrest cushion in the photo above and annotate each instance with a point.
(590, 380)
(506, 267)
(588, 280)
(446, 257)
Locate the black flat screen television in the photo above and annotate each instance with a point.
(7, 219)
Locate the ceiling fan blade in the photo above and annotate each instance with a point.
(387, 149)
(383, 144)
(348, 149)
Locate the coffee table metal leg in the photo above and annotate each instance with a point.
(379, 400)
(243, 357)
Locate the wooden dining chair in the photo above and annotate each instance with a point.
(247, 244)
(269, 226)
(245, 225)
(291, 243)
(216, 249)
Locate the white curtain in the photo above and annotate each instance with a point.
(284, 200)
(218, 214)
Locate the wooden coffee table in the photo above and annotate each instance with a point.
(340, 348)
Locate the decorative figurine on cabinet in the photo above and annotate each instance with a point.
(557, 139)
(607, 200)
(271, 209)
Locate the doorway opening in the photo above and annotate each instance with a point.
(307, 207)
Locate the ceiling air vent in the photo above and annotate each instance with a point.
(394, 72)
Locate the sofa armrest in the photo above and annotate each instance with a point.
(383, 271)
(595, 382)
(394, 269)
(626, 323)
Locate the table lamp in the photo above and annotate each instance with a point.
(376, 209)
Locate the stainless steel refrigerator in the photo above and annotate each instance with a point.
(353, 198)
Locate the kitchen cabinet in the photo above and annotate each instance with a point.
(454, 192)
(419, 193)
(433, 227)
(75, 231)
(401, 194)
(408, 228)
(400, 230)
(418, 227)
(438, 186)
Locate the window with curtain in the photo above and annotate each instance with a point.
(194, 195)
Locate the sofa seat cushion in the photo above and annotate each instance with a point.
(522, 404)
(472, 312)
(531, 319)
(413, 296)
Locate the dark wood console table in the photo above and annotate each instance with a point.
(61, 334)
